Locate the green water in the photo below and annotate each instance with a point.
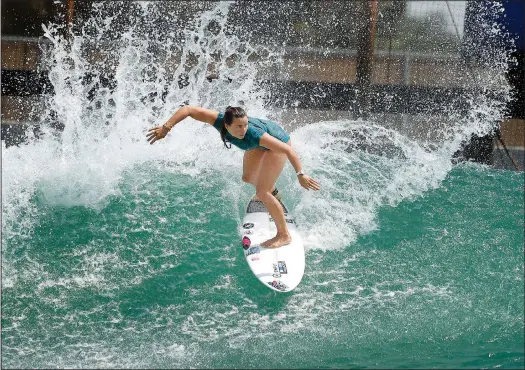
(156, 278)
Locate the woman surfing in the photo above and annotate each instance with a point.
(267, 147)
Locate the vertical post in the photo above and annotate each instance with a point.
(70, 9)
(406, 69)
(373, 20)
(365, 53)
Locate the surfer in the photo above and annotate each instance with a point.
(267, 147)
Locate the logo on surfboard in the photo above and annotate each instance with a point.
(279, 268)
(277, 284)
(282, 267)
(288, 220)
(276, 273)
(246, 242)
(253, 250)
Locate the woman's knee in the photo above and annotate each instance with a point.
(248, 178)
(262, 194)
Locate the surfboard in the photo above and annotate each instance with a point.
(280, 269)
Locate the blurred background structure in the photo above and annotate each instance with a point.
(403, 62)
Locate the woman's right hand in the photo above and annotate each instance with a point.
(157, 133)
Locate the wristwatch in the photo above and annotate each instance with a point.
(300, 173)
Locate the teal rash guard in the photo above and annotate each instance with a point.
(256, 128)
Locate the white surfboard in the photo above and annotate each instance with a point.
(280, 269)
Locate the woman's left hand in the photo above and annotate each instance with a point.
(308, 183)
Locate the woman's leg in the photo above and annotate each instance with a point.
(251, 164)
(250, 168)
(272, 165)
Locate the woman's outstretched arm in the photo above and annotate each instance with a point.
(197, 113)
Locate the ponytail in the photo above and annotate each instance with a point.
(229, 115)
(223, 136)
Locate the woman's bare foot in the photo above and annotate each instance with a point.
(277, 241)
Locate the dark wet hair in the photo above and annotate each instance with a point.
(229, 115)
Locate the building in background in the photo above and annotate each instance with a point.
(416, 70)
